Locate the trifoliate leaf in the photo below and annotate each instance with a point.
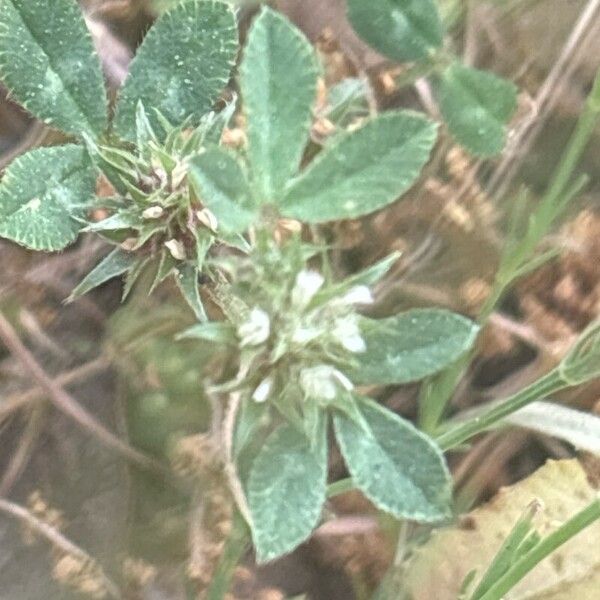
(221, 185)
(286, 490)
(476, 105)
(396, 466)
(403, 30)
(411, 346)
(362, 171)
(47, 61)
(278, 79)
(44, 195)
(181, 67)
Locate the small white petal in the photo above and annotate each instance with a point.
(354, 343)
(304, 335)
(347, 333)
(176, 248)
(343, 380)
(360, 294)
(153, 212)
(261, 393)
(308, 283)
(323, 382)
(256, 329)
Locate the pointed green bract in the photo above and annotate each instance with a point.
(278, 79)
(395, 465)
(44, 195)
(221, 185)
(403, 30)
(186, 277)
(411, 346)
(286, 490)
(47, 61)
(181, 67)
(476, 105)
(114, 264)
(362, 171)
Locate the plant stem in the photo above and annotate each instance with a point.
(543, 549)
(436, 395)
(549, 384)
(236, 545)
(340, 487)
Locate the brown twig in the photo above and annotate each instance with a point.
(24, 399)
(21, 457)
(546, 98)
(68, 405)
(57, 539)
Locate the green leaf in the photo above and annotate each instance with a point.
(476, 105)
(278, 79)
(362, 171)
(44, 196)
(396, 466)
(47, 61)
(411, 346)
(286, 490)
(220, 182)
(181, 67)
(114, 264)
(403, 30)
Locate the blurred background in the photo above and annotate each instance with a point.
(120, 363)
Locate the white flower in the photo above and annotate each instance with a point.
(347, 333)
(176, 248)
(256, 329)
(323, 381)
(261, 393)
(153, 212)
(304, 335)
(207, 218)
(359, 294)
(308, 283)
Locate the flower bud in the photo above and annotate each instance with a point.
(207, 218)
(176, 248)
(153, 212)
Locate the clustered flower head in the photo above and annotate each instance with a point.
(310, 335)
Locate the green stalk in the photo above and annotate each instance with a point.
(235, 547)
(549, 384)
(340, 487)
(436, 395)
(544, 548)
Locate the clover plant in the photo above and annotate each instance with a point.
(239, 228)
